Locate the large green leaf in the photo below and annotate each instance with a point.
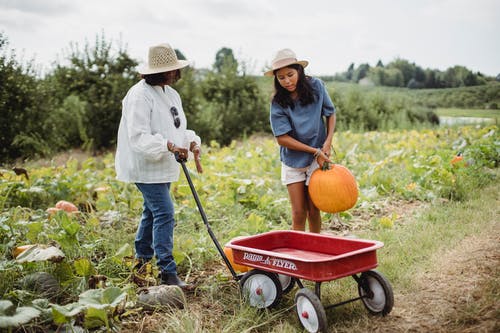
(63, 313)
(12, 317)
(102, 298)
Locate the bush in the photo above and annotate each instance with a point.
(234, 107)
(99, 78)
(23, 107)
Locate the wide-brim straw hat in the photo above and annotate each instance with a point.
(284, 58)
(162, 58)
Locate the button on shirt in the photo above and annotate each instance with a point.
(145, 128)
(303, 123)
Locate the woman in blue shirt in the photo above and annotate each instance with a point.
(303, 121)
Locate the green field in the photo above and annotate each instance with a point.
(479, 113)
(242, 195)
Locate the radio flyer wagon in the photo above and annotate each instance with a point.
(282, 258)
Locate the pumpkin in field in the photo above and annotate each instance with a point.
(238, 268)
(66, 206)
(20, 249)
(333, 188)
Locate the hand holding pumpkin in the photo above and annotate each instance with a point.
(322, 158)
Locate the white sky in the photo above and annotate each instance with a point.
(331, 34)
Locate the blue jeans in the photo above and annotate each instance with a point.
(155, 234)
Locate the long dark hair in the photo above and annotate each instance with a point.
(305, 91)
(158, 79)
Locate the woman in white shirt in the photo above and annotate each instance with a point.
(152, 129)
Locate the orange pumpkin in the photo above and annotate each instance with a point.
(333, 188)
(457, 159)
(238, 268)
(66, 206)
(20, 249)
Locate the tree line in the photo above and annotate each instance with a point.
(402, 73)
(77, 104)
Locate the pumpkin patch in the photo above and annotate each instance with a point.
(333, 188)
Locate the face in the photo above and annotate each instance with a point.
(287, 78)
(172, 76)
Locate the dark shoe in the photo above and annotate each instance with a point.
(172, 279)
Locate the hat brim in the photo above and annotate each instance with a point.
(148, 70)
(303, 63)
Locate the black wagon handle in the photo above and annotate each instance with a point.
(182, 161)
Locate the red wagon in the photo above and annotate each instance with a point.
(280, 259)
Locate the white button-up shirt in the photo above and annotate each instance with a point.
(146, 126)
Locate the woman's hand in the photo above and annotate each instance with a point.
(196, 150)
(322, 158)
(326, 149)
(183, 152)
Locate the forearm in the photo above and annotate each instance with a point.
(291, 143)
(330, 126)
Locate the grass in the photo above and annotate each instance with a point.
(479, 113)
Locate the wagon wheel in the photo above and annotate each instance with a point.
(261, 289)
(287, 282)
(310, 311)
(376, 292)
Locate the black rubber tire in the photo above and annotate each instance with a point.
(310, 311)
(288, 285)
(261, 289)
(380, 298)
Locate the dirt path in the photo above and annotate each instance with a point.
(460, 293)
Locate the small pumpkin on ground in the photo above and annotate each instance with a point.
(43, 284)
(333, 188)
(20, 249)
(66, 206)
(155, 297)
(238, 268)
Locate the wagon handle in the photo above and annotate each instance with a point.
(182, 161)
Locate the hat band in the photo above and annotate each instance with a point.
(284, 62)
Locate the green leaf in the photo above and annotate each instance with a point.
(11, 317)
(70, 227)
(83, 267)
(63, 313)
(95, 318)
(125, 250)
(102, 298)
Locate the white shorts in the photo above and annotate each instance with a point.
(291, 175)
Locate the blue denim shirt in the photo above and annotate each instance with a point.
(304, 123)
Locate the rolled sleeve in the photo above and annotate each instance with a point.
(327, 107)
(280, 123)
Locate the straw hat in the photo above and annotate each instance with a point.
(284, 58)
(162, 58)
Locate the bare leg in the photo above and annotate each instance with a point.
(313, 215)
(298, 200)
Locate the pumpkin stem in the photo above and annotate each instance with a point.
(326, 165)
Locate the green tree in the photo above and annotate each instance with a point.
(23, 107)
(224, 58)
(99, 77)
(234, 105)
(360, 72)
(405, 67)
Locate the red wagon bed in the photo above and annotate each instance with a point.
(314, 257)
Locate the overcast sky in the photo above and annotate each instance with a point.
(331, 34)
